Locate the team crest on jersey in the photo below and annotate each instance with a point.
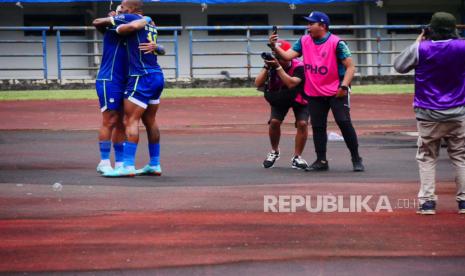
(324, 54)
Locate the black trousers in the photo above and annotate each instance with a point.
(340, 107)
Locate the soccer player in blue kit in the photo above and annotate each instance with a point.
(110, 85)
(142, 96)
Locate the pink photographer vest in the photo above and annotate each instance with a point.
(296, 63)
(320, 63)
(277, 83)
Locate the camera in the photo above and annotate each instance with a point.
(267, 56)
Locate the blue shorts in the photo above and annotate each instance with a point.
(145, 90)
(110, 94)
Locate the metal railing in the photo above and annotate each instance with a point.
(379, 38)
(95, 40)
(372, 51)
(249, 52)
(42, 41)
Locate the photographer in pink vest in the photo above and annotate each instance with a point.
(329, 70)
(282, 83)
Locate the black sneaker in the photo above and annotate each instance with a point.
(318, 165)
(270, 159)
(461, 207)
(427, 208)
(358, 165)
(299, 163)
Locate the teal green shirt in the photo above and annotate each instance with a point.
(342, 51)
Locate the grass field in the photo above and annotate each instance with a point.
(185, 93)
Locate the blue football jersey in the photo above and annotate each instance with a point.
(115, 60)
(140, 63)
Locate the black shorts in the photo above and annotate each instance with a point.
(301, 112)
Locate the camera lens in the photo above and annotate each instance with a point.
(267, 56)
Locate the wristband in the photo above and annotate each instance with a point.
(279, 68)
(345, 88)
(160, 50)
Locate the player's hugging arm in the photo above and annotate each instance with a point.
(133, 26)
(102, 23)
(150, 47)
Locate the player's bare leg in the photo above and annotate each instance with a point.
(150, 123)
(132, 116)
(153, 137)
(118, 138)
(110, 119)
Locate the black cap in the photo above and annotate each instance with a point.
(443, 23)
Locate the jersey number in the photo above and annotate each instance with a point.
(152, 37)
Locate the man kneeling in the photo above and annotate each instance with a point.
(282, 82)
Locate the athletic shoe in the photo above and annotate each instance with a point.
(427, 208)
(104, 168)
(358, 165)
(270, 159)
(461, 207)
(149, 170)
(318, 165)
(299, 163)
(120, 165)
(121, 172)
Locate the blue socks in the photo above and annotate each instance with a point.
(129, 154)
(105, 147)
(154, 151)
(119, 152)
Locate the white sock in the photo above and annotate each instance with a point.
(105, 162)
(118, 164)
(130, 167)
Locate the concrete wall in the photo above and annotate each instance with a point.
(191, 15)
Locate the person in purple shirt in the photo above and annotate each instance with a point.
(439, 103)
